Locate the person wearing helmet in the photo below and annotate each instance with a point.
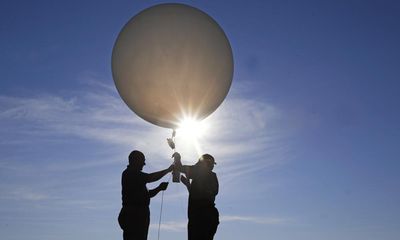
(202, 184)
(134, 217)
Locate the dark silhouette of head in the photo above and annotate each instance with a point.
(137, 160)
(207, 161)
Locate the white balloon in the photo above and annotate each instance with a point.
(172, 61)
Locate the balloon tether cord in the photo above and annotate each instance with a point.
(161, 210)
(171, 143)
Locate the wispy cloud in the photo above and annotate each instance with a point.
(253, 219)
(23, 194)
(89, 115)
(241, 127)
(180, 226)
(173, 226)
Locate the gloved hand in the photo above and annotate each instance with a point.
(163, 186)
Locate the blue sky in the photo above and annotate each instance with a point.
(307, 141)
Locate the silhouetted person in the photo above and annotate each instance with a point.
(202, 213)
(134, 217)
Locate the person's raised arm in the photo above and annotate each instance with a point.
(155, 176)
(186, 169)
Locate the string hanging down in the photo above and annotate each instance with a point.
(175, 177)
(171, 143)
(161, 210)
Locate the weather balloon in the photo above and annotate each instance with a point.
(170, 62)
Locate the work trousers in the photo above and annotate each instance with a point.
(203, 223)
(134, 221)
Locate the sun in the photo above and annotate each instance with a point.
(192, 129)
(191, 134)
